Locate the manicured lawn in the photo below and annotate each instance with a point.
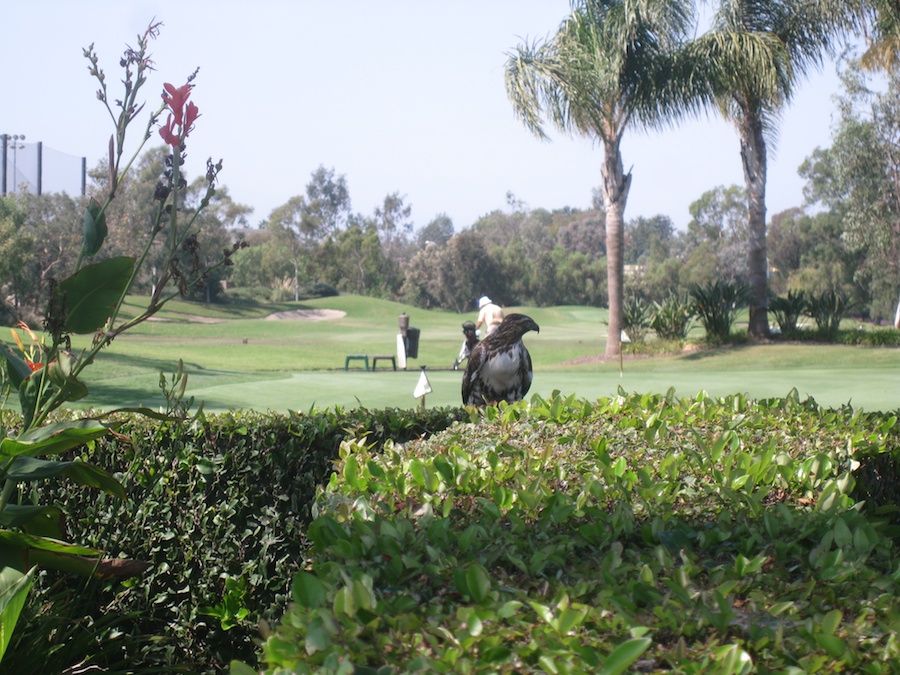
(249, 362)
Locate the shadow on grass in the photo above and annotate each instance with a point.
(129, 361)
(711, 352)
(119, 380)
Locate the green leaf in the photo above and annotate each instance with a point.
(494, 655)
(18, 540)
(90, 295)
(351, 472)
(317, 637)
(53, 438)
(308, 591)
(42, 521)
(733, 659)
(624, 655)
(15, 365)
(478, 582)
(29, 391)
(570, 619)
(833, 645)
(60, 374)
(29, 469)
(95, 229)
(14, 587)
(831, 621)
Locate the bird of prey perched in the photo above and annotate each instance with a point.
(499, 367)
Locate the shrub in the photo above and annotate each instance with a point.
(283, 289)
(260, 295)
(220, 509)
(879, 337)
(635, 533)
(716, 304)
(827, 309)
(882, 337)
(787, 311)
(636, 315)
(672, 319)
(319, 290)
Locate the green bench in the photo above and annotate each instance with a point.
(356, 357)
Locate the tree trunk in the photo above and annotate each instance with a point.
(753, 157)
(615, 195)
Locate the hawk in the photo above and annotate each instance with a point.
(499, 367)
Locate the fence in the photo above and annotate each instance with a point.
(34, 168)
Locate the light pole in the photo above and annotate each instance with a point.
(15, 138)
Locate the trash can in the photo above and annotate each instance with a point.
(412, 342)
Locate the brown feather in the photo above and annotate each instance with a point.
(499, 368)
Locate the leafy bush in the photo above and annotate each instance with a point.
(880, 337)
(635, 533)
(672, 319)
(284, 288)
(636, 315)
(260, 295)
(319, 290)
(220, 510)
(716, 304)
(787, 311)
(827, 309)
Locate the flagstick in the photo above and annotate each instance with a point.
(422, 388)
(623, 338)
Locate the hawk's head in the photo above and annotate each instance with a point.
(513, 327)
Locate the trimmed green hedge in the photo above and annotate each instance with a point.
(638, 533)
(220, 509)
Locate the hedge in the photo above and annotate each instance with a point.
(220, 509)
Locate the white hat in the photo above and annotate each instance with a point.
(485, 300)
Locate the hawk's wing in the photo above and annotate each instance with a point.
(526, 372)
(471, 383)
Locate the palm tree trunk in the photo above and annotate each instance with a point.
(753, 156)
(616, 184)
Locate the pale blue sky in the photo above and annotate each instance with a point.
(397, 95)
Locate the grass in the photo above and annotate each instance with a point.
(245, 361)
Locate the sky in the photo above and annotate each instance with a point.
(401, 96)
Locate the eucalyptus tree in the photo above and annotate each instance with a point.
(608, 67)
(857, 179)
(753, 57)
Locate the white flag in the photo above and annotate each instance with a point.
(423, 386)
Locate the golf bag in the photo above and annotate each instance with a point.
(468, 344)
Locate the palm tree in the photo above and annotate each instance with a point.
(883, 52)
(753, 57)
(609, 65)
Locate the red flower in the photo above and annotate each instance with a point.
(191, 114)
(176, 99)
(182, 115)
(168, 133)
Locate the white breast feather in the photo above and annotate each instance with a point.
(504, 371)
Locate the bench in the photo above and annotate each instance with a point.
(384, 357)
(356, 357)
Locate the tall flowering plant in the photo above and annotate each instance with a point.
(45, 374)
